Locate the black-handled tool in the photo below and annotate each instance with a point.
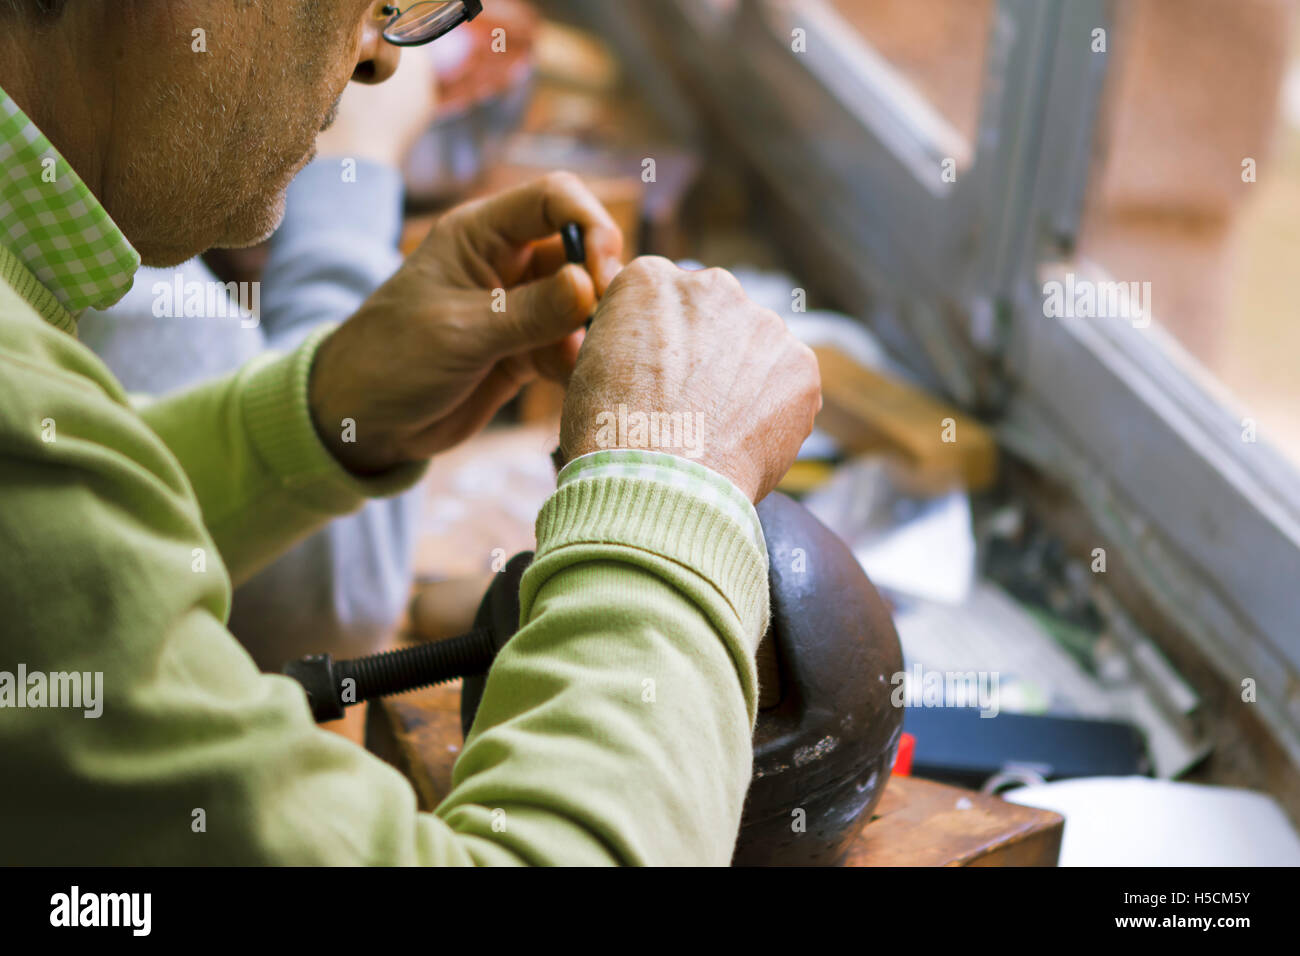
(575, 249)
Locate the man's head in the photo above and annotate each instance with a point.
(188, 118)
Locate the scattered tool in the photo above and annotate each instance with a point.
(868, 411)
(575, 249)
(827, 731)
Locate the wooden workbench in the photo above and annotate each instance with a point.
(918, 822)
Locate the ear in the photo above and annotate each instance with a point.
(377, 59)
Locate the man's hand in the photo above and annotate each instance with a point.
(485, 305)
(673, 343)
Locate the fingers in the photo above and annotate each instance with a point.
(692, 341)
(557, 362)
(543, 312)
(500, 385)
(540, 209)
(546, 258)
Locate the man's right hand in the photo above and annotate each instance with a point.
(673, 342)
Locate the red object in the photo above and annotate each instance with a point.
(903, 762)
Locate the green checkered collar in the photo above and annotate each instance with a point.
(679, 472)
(52, 223)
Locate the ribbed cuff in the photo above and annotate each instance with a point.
(670, 523)
(683, 473)
(279, 423)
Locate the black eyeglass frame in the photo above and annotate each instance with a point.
(471, 8)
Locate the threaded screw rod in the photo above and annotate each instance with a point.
(392, 672)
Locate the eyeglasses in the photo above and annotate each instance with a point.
(425, 22)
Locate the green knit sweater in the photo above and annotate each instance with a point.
(120, 533)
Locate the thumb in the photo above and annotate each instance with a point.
(543, 312)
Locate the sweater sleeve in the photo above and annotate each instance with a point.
(616, 724)
(614, 727)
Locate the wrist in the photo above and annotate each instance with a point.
(584, 443)
(336, 415)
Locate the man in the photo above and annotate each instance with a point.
(122, 529)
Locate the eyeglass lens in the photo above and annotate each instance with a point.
(423, 22)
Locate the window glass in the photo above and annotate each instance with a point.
(938, 46)
(1197, 192)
